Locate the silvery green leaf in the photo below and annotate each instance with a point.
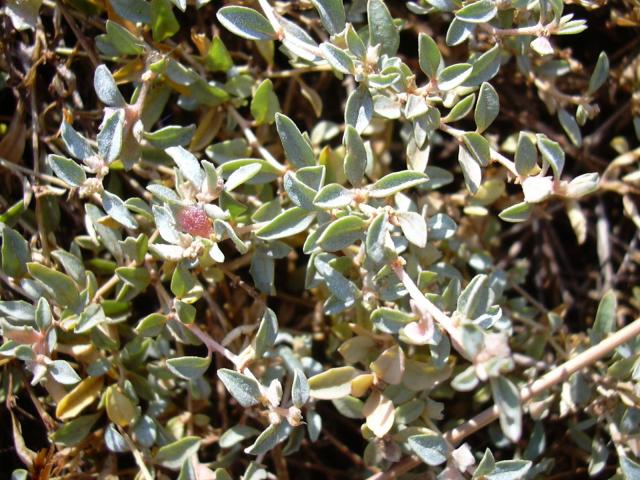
(297, 41)
(453, 76)
(337, 58)
(340, 286)
(470, 169)
(188, 164)
(600, 73)
(509, 470)
(267, 333)
(188, 368)
(76, 144)
(43, 315)
(164, 194)
(481, 11)
(395, 182)
(136, 11)
(170, 136)
(23, 15)
(62, 372)
(312, 177)
(429, 55)
(332, 14)
(174, 454)
(117, 210)
(359, 108)
(236, 434)
(224, 229)
(430, 448)
(244, 389)
(466, 380)
(458, 32)
(166, 224)
(390, 320)
(486, 465)
(416, 105)
(478, 147)
(287, 224)
(111, 136)
(151, 325)
(61, 288)
(487, 108)
(15, 253)
(516, 213)
(605, 321)
(341, 233)
(355, 44)
(460, 109)
(332, 383)
(382, 30)
(485, 67)
(264, 104)
(262, 271)
(106, 88)
(386, 107)
(73, 432)
(299, 389)
(438, 177)
(570, 127)
(241, 175)
(552, 153)
(474, 300)
(542, 46)
(507, 397)
(272, 436)
(599, 456)
(246, 23)
(583, 185)
(355, 162)
(333, 195)
(414, 227)
(136, 277)
(299, 193)
(409, 411)
(67, 170)
(123, 40)
(296, 148)
(72, 265)
(526, 156)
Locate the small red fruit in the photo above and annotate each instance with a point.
(195, 221)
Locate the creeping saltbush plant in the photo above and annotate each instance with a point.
(319, 238)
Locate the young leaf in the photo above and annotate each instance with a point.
(117, 210)
(552, 153)
(299, 389)
(163, 22)
(218, 58)
(188, 164)
(246, 23)
(487, 108)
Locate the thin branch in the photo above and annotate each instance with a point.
(552, 378)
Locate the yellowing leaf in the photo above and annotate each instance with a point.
(83, 395)
(389, 366)
(120, 409)
(380, 414)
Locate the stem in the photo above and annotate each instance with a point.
(253, 140)
(137, 455)
(552, 378)
(212, 345)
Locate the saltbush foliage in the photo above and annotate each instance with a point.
(224, 283)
